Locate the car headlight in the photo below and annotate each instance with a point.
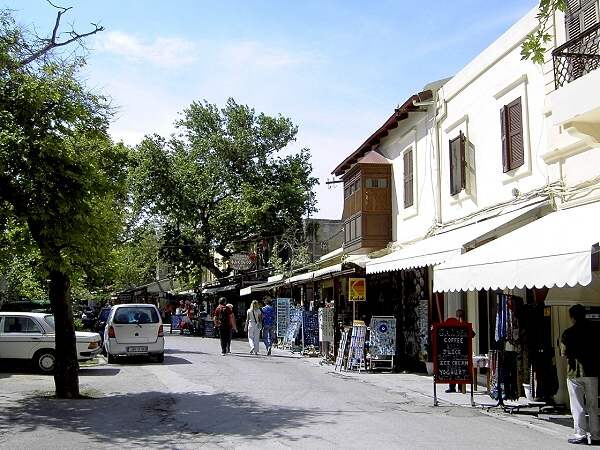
(94, 345)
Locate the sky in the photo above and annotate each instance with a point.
(337, 68)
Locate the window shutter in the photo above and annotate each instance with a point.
(408, 179)
(463, 161)
(515, 134)
(504, 135)
(573, 19)
(589, 14)
(457, 164)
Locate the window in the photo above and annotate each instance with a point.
(353, 229)
(580, 16)
(511, 121)
(136, 315)
(377, 183)
(458, 167)
(408, 179)
(20, 325)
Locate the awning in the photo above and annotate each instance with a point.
(217, 289)
(555, 250)
(446, 244)
(272, 282)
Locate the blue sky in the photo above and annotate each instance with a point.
(336, 68)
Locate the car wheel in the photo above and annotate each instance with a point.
(160, 357)
(45, 361)
(111, 358)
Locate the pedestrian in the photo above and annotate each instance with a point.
(222, 318)
(268, 322)
(580, 346)
(253, 326)
(233, 326)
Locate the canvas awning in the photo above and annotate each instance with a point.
(555, 250)
(447, 244)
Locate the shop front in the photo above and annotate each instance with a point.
(536, 272)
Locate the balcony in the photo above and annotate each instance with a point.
(577, 57)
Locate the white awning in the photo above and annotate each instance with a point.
(327, 270)
(444, 245)
(300, 278)
(555, 250)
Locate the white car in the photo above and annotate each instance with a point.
(134, 329)
(31, 336)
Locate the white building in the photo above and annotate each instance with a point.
(503, 143)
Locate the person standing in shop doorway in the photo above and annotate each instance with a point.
(268, 320)
(460, 316)
(580, 346)
(222, 318)
(253, 326)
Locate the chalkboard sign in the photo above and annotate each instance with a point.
(452, 352)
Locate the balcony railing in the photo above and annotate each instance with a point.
(577, 57)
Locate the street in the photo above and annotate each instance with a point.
(200, 399)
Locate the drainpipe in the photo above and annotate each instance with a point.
(438, 185)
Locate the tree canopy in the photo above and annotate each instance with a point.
(219, 183)
(62, 179)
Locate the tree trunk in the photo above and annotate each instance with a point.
(66, 376)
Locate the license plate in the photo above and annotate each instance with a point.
(138, 349)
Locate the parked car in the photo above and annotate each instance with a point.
(134, 329)
(30, 336)
(101, 321)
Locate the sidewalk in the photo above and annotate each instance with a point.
(420, 388)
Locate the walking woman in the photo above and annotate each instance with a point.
(253, 325)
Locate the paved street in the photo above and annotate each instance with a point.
(199, 398)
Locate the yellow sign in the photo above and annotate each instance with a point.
(358, 290)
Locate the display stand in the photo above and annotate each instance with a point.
(356, 354)
(343, 348)
(293, 329)
(382, 342)
(283, 316)
(500, 402)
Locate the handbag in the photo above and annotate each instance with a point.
(256, 321)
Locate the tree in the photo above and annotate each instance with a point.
(61, 178)
(534, 46)
(219, 184)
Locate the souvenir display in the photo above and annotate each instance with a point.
(326, 328)
(283, 316)
(356, 355)
(382, 340)
(310, 329)
(342, 350)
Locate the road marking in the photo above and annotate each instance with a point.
(176, 383)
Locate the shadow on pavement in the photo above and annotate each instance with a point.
(158, 419)
(170, 351)
(99, 371)
(145, 360)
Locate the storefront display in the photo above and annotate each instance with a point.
(283, 316)
(310, 329)
(326, 325)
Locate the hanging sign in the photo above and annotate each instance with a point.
(357, 289)
(241, 261)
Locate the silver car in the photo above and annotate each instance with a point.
(134, 329)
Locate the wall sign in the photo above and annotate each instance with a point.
(357, 288)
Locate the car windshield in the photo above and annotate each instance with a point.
(136, 314)
(50, 320)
